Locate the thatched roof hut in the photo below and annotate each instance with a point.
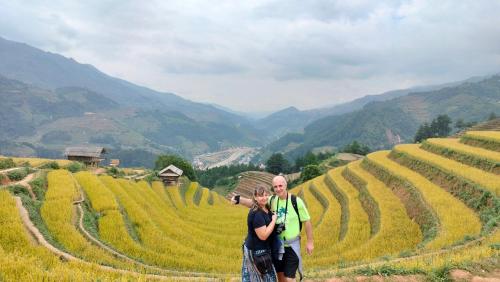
(90, 156)
(170, 175)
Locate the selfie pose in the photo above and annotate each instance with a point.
(291, 215)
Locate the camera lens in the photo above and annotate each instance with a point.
(280, 228)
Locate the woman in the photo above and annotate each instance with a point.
(257, 260)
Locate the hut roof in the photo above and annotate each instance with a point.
(94, 152)
(173, 169)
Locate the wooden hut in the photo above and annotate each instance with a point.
(170, 175)
(90, 156)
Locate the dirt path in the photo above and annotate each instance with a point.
(493, 276)
(136, 176)
(25, 183)
(28, 224)
(100, 244)
(456, 275)
(9, 169)
(99, 171)
(462, 275)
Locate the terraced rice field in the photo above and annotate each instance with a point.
(415, 209)
(37, 162)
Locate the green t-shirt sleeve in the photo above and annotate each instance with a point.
(303, 212)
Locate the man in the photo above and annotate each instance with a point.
(282, 205)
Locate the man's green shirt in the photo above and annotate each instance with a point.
(292, 228)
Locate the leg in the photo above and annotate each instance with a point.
(291, 264)
(281, 277)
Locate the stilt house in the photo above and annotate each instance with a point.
(170, 175)
(90, 156)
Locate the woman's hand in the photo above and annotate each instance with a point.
(274, 217)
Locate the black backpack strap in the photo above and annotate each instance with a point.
(296, 208)
(271, 202)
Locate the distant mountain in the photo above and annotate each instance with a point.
(285, 121)
(48, 70)
(37, 121)
(48, 92)
(292, 120)
(252, 116)
(383, 124)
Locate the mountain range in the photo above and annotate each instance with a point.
(382, 124)
(50, 102)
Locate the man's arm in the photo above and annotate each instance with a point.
(310, 239)
(243, 201)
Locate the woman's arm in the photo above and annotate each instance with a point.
(263, 232)
(243, 201)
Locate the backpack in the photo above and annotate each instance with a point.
(295, 207)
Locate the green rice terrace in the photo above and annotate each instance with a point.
(419, 210)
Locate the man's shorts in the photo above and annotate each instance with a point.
(289, 264)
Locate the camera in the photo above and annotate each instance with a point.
(280, 227)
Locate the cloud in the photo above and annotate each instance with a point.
(282, 53)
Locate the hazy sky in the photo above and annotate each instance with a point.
(266, 55)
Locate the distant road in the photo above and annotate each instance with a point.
(237, 154)
(223, 158)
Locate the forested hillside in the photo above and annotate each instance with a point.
(382, 124)
(49, 101)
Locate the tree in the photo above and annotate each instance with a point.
(165, 160)
(460, 124)
(439, 127)
(308, 159)
(492, 116)
(310, 172)
(277, 164)
(356, 148)
(222, 175)
(423, 132)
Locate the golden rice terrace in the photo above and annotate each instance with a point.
(416, 209)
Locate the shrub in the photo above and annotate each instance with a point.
(17, 175)
(356, 148)
(336, 162)
(115, 172)
(18, 190)
(39, 186)
(310, 172)
(6, 163)
(50, 165)
(75, 167)
(495, 246)
(151, 178)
